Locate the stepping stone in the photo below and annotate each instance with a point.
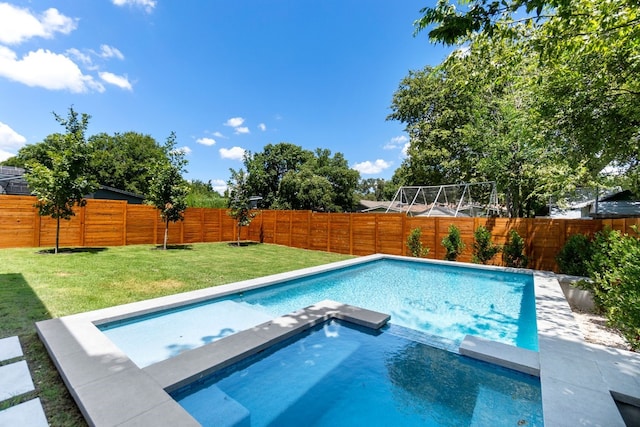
(27, 414)
(15, 379)
(10, 348)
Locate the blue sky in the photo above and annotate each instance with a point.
(226, 76)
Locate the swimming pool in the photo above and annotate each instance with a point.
(445, 301)
(337, 374)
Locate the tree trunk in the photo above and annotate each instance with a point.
(239, 234)
(166, 233)
(55, 251)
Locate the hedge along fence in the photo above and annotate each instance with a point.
(116, 223)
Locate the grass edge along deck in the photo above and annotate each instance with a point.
(577, 379)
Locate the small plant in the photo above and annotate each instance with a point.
(453, 243)
(483, 248)
(575, 255)
(513, 251)
(415, 244)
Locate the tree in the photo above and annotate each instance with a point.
(124, 160)
(483, 248)
(239, 200)
(202, 195)
(414, 243)
(588, 71)
(453, 243)
(513, 252)
(167, 188)
(288, 177)
(60, 177)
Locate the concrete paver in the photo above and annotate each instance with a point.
(27, 414)
(10, 348)
(15, 380)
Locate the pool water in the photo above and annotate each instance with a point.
(441, 300)
(338, 374)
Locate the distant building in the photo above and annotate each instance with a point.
(585, 204)
(12, 182)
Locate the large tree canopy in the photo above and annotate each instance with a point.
(543, 97)
(287, 176)
(123, 160)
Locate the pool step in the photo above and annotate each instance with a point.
(279, 395)
(218, 409)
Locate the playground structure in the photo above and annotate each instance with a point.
(478, 199)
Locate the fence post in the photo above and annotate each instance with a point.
(124, 224)
(36, 227)
(82, 224)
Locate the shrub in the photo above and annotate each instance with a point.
(575, 255)
(483, 248)
(453, 243)
(415, 244)
(513, 251)
(615, 270)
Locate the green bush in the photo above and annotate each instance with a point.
(453, 243)
(575, 255)
(415, 244)
(483, 248)
(513, 251)
(615, 270)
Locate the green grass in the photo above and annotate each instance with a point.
(36, 286)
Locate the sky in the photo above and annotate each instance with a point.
(226, 76)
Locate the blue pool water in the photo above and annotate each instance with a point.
(340, 375)
(440, 300)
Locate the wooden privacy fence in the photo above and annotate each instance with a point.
(116, 223)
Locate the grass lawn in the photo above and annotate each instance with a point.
(36, 286)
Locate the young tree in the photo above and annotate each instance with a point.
(483, 248)
(453, 243)
(239, 200)
(167, 188)
(60, 178)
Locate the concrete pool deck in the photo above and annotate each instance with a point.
(579, 380)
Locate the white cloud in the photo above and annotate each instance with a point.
(43, 68)
(369, 168)
(219, 185)
(4, 155)
(218, 135)
(233, 153)
(405, 150)
(10, 139)
(121, 81)
(242, 129)
(19, 24)
(206, 141)
(186, 150)
(262, 127)
(234, 122)
(107, 51)
(148, 5)
(82, 57)
(396, 142)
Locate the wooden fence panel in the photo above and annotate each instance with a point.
(300, 229)
(105, 223)
(141, 225)
(339, 233)
(193, 226)
(113, 223)
(17, 222)
(364, 234)
(392, 234)
(319, 231)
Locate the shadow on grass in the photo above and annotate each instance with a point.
(72, 251)
(20, 308)
(243, 243)
(173, 248)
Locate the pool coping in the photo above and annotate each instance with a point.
(579, 380)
